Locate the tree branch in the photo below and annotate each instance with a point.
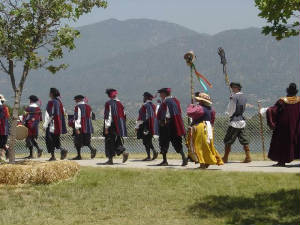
(3, 67)
(11, 74)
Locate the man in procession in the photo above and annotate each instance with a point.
(31, 119)
(236, 129)
(82, 126)
(54, 124)
(171, 127)
(284, 119)
(4, 127)
(146, 125)
(114, 127)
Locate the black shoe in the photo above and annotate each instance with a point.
(77, 158)
(163, 163)
(52, 158)
(109, 162)
(39, 153)
(184, 162)
(93, 153)
(147, 159)
(29, 157)
(155, 154)
(63, 154)
(125, 156)
(279, 165)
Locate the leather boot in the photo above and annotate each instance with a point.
(30, 154)
(165, 161)
(226, 154)
(148, 158)
(125, 156)
(155, 154)
(184, 159)
(109, 161)
(52, 157)
(93, 152)
(63, 153)
(247, 153)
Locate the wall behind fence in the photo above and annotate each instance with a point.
(135, 146)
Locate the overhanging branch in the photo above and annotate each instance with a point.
(3, 67)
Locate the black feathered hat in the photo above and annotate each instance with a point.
(292, 89)
(148, 95)
(165, 90)
(237, 85)
(79, 97)
(54, 92)
(33, 98)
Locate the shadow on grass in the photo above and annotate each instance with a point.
(278, 208)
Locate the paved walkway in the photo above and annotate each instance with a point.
(256, 166)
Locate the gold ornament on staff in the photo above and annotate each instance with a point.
(190, 58)
(261, 128)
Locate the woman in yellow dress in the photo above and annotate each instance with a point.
(201, 140)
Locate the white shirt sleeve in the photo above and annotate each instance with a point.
(107, 122)
(231, 108)
(138, 123)
(157, 108)
(78, 121)
(47, 120)
(263, 111)
(168, 113)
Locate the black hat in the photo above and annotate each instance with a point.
(292, 89)
(148, 95)
(109, 90)
(78, 97)
(238, 85)
(33, 98)
(165, 90)
(54, 92)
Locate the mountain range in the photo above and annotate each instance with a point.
(140, 55)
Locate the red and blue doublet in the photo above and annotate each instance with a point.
(4, 115)
(32, 118)
(147, 114)
(115, 109)
(172, 105)
(85, 119)
(55, 111)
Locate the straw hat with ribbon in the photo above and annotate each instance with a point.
(204, 97)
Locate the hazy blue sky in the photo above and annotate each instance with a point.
(204, 16)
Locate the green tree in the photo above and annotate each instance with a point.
(34, 35)
(282, 15)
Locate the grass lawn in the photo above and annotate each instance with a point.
(160, 197)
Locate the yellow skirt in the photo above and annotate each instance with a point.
(200, 148)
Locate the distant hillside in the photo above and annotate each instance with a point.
(138, 55)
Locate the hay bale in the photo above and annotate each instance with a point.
(32, 172)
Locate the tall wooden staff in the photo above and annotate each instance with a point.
(190, 58)
(261, 129)
(221, 53)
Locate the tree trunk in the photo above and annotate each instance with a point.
(13, 126)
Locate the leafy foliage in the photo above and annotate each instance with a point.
(27, 26)
(26, 29)
(283, 16)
